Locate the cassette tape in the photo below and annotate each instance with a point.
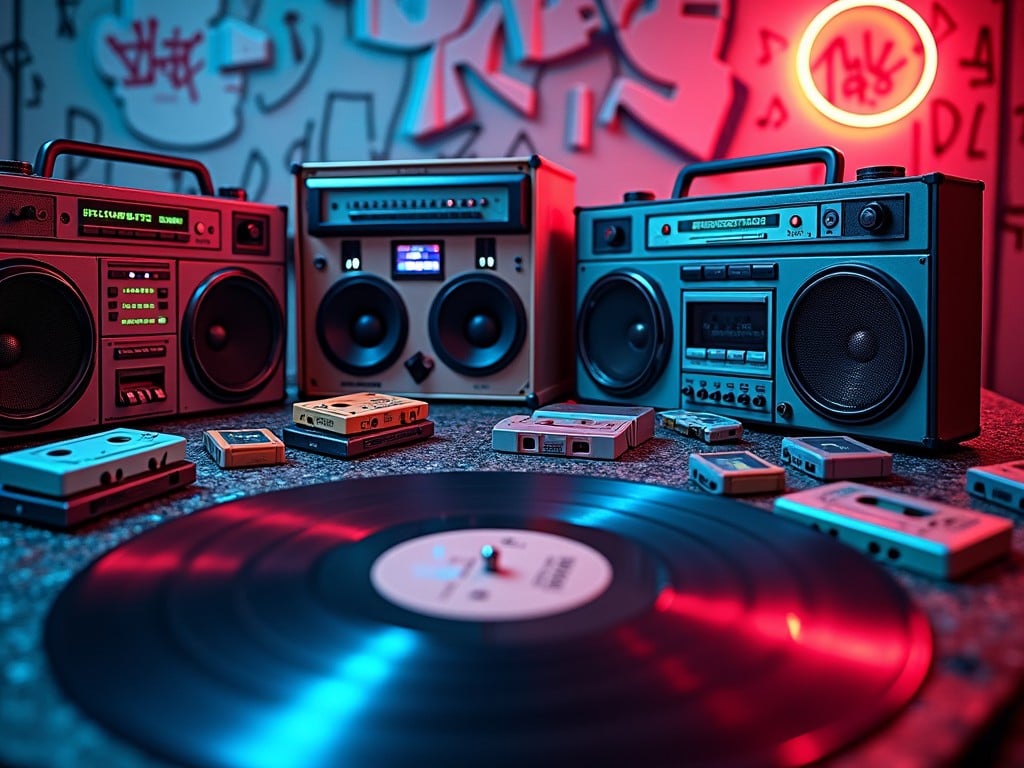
(567, 437)
(735, 472)
(999, 483)
(835, 458)
(68, 467)
(351, 446)
(88, 505)
(924, 536)
(709, 427)
(359, 412)
(231, 448)
(641, 417)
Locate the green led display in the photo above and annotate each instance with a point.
(104, 213)
(137, 305)
(138, 290)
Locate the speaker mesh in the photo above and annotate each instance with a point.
(47, 344)
(852, 344)
(624, 333)
(233, 331)
(477, 324)
(362, 325)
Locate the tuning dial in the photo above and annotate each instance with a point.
(613, 235)
(873, 217)
(785, 410)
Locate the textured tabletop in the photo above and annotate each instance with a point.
(978, 622)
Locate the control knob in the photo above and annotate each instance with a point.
(613, 235)
(873, 217)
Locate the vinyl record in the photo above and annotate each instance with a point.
(498, 619)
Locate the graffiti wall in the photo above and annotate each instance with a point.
(623, 92)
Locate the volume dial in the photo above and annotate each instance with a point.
(873, 217)
(613, 235)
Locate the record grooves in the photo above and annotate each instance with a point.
(262, 631)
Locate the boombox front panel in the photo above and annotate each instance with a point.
(414, 298)
(787, 311)
(442, 279)
(136, 257)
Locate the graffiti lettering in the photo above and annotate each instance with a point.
(409, 26)
(256, 167)
(66, 28)
(946, 121)
(942, 24)
(857, 77)
(983, 59)
(694, 73)
(541, 32)
(140, 58)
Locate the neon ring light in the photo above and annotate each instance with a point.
(858, 119)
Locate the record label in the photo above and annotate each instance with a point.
(491, 574)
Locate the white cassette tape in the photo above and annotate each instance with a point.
(68, 467)
(920, 535)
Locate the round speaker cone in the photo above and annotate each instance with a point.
(853, 344)
(477, 324)
(233, 335)
(47, 344)
(624, 333)
(362, 325)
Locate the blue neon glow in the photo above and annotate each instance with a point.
(304, 731)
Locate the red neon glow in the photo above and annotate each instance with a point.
(867, 63)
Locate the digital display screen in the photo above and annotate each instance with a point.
(727, 223)
(103, 213)
(417, 261)
(727, 325)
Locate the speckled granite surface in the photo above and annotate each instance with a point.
(965, 707)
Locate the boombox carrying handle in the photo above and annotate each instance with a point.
(48, 153)
(831, 157)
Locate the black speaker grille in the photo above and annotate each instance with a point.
(362, 325)
(852, 344)
(47, 344)
(624, 333)
(233, 331)
(477, 324)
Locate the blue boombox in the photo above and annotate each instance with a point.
(847, 307)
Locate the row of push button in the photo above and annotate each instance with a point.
(728, 397)
(727, 355)
(728, 272)
(141, 396)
